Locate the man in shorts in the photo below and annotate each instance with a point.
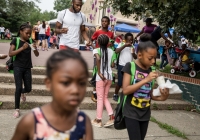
(70, 23)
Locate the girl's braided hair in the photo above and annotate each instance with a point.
(103, 41)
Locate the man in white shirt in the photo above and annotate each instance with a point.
(70, 23)
(126, 54)
(2, 31)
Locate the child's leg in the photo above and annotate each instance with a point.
(27, 78)
(143, 128)
(106, 101)
(100, 88)
(162, 61)
(136, 129)
(166, 62)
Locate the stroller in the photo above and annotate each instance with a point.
(178, 65)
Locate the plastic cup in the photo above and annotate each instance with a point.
(160, 80)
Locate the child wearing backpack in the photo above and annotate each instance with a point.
(103, 80)
(66, 79)
(22, 64)
(125, 55)
(138, 86)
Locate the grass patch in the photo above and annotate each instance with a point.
(5, 41)
(168, 68)
(169, 128)
(1, 103)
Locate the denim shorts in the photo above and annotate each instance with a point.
(41, 37)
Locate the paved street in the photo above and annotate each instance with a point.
(41, 60)
(187, 122)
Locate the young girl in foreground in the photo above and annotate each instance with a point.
(22, 64)
(139, 94)
(103, 80)
(67, 77)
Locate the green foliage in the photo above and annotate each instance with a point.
(184, 16)
(15, 12)
(60, 5)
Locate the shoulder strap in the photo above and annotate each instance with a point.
(30, 40)
(153, 69)
(132, 78)
(16, 47)
(64, 16)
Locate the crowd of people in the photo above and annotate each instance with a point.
(5, 33)
(67, 76)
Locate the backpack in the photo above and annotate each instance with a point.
(119, 121)
(9, 63)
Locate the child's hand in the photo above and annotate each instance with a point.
(151, 76)
(128, 45)
(25, 46)
(101, 76)
(164, 94)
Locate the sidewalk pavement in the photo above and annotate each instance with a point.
(40, 61)
(187, 122)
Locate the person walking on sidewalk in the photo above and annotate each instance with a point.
(105, 22)
(136, 109)
(42, 35)
(22, 64)
(126, 54)
(2, 31)
(70, 23)
(66, 78)
(103, 80)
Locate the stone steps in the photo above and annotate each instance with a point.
(40, 90)
(35, 101)
(36, 79)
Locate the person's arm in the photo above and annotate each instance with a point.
(35, 50)
(59, 29)
(129, 89)
(120, 48)
(85, 36)
(141, 32)
(89, 131)
(133, 54)
(164, 95)
(24, 128)
(94, 38)
(13, 52)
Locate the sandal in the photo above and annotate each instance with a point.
(23, 97)
(16, 114)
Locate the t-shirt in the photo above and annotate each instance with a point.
(125, 55)
(149, 29)
(72, 21)
(48, 30)
(99, 32)
(2, 29)
(23, 59)
(42, 30)
(107, 74)
(184, 58)
(137, 105)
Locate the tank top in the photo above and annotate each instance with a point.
(44, 131)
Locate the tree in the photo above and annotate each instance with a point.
(183, 15)
(60, 5)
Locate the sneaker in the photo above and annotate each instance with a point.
(115, 97)
(97, 124)
(109, 123)
(94, 97)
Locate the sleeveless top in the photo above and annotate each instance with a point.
(44, 131)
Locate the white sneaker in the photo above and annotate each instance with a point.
(109, 123)
(95, 123)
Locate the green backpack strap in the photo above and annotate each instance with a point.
(153, 69)
(30, 40)
(132, 78)
(17, 46)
